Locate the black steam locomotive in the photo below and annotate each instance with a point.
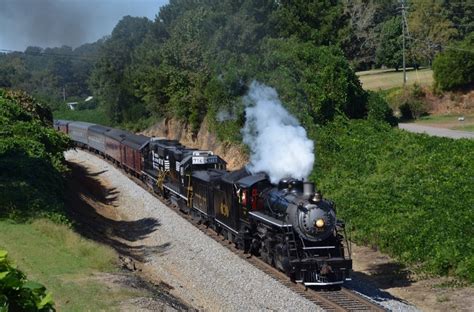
(289, 225)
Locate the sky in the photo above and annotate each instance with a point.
(51, 23)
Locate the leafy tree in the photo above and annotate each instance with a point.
(111, 79)
(364, 21)
(454, 67)
(317, 81)
(461, 14)
(430, 28)
(31, 160)
(389, 51)
(319, 22)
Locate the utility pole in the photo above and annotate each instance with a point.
(403, 40)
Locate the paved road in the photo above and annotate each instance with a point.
(441, 132)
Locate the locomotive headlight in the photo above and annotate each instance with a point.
(319, 223)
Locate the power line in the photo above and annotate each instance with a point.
(438, 45)
(458, 49)
(404, 24)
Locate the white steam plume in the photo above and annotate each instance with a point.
(279, 145)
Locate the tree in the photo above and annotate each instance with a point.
(430, 29)
(319, 22)
(316, 82)
(364, 20)
(389, 51)
(454, 67)
(111, 80)
(461, 14)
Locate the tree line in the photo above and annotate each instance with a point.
(197, 57)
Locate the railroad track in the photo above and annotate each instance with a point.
(334, 300)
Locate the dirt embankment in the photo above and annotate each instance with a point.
(450, 102)
(205, 140)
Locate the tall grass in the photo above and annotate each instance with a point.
(99, 257)
(74, 269)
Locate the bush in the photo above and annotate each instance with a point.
(379, 110)
(409, 194)
(454, 68)
(31, 161)
(19, 294)
(409, 102)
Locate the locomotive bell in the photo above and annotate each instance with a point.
(317, 197)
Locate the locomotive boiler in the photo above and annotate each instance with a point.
(306, 243)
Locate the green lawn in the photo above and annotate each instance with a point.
(75, 270)
(387, 79)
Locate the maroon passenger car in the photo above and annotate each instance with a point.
(126, 148)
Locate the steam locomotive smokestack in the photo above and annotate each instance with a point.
(308, 189)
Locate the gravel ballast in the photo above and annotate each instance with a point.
(199, 270)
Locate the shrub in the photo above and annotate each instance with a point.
(454, 68)
(379, 110)
(409, 194)
(409, 102)
(31, 161)
(19, 294)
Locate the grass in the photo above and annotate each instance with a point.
(388, 79)
(449, 121)
(67, 264)
(465, 128)
(96, 115)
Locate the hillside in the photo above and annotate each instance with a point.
(234, 154)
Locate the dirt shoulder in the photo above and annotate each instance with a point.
(428, 294)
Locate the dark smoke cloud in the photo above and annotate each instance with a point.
(48, 23)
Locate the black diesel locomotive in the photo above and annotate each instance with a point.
(289, 225)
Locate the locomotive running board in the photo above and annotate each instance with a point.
(270, 220)
(227, 227)
(174, 192)
(322, 284)
(167, 187)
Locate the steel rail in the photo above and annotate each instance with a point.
(331, 300)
